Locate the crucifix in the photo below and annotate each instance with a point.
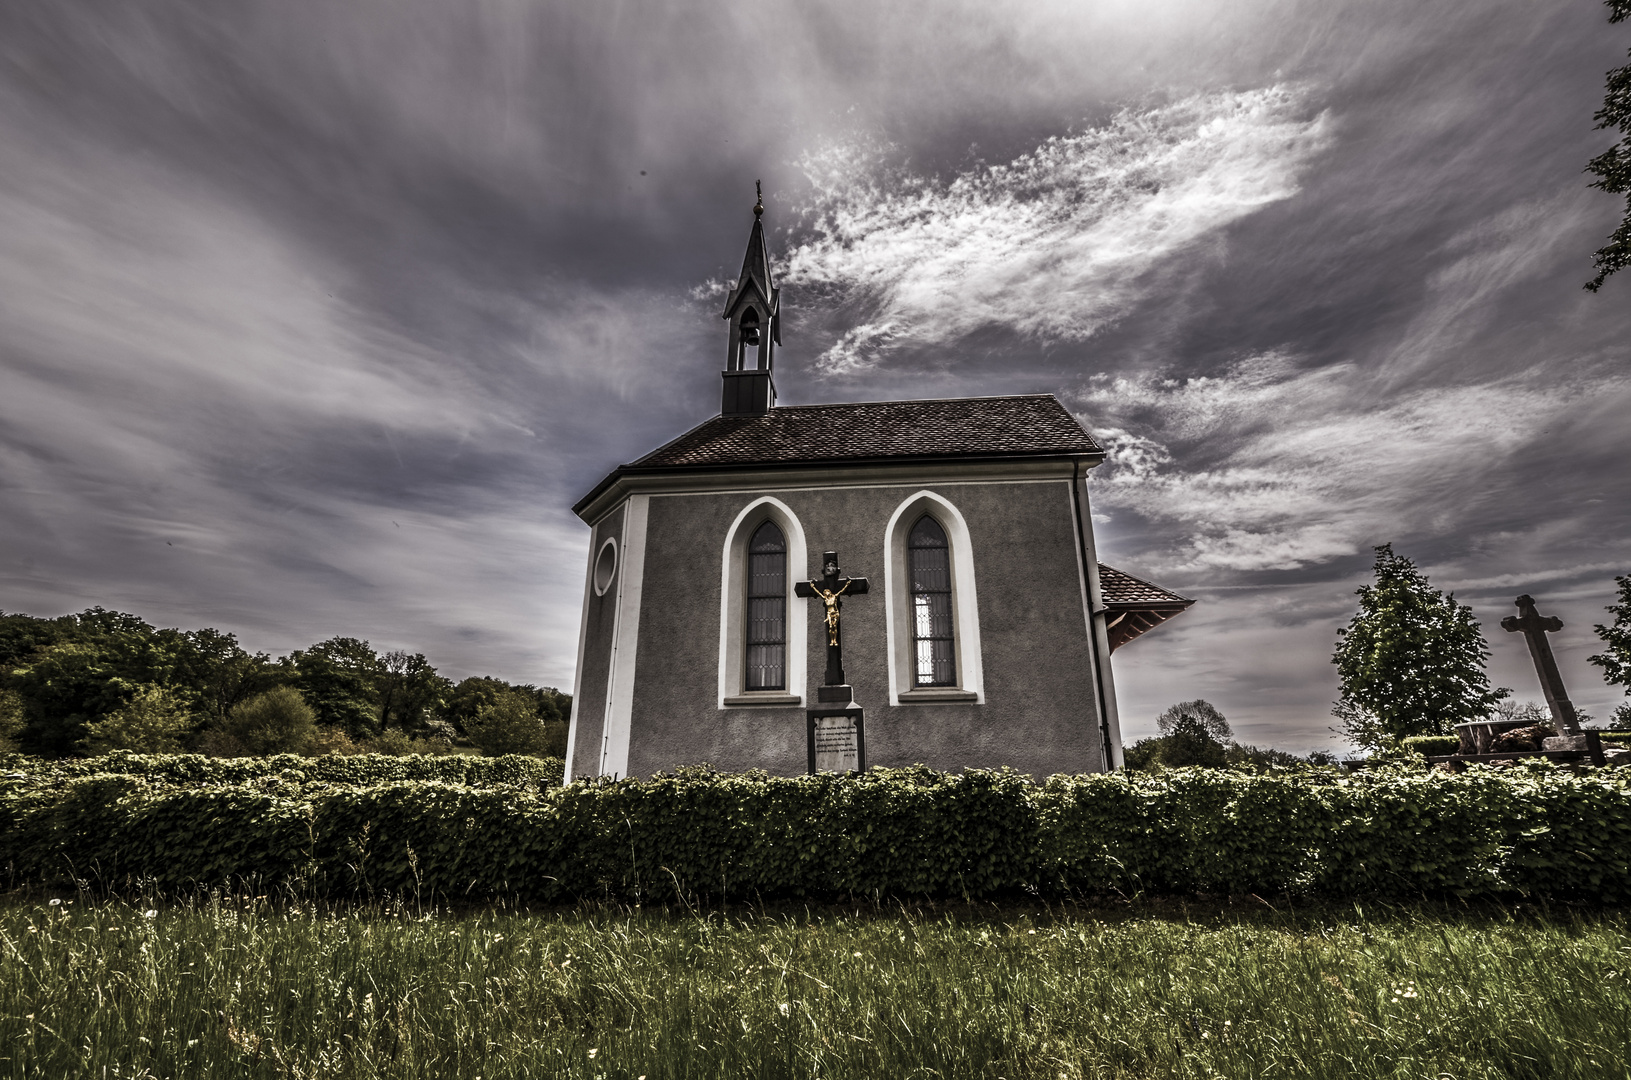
(830, 589)
(1534, 626)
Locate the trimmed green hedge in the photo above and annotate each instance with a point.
(1444, 745)
(349, 769)
(1535, 830)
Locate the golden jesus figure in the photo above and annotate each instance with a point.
(830, 589)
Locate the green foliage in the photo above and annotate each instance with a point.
(277, 721)
(1533, 830)
(469, 696)
(336, 677)
(1615, 659)
(1613, 167)
(1431, 745)
(1411, 661)
(154, 721)
(11, 720)
(510, 724)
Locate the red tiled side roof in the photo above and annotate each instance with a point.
(951, 427)
(1124, 590)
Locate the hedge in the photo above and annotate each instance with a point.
(348, 769)
(1444, 745)
(1536, 830)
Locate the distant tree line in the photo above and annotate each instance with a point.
(1195, 733)
(106, 680)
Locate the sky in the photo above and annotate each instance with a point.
(316, 317)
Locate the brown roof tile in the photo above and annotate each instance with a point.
(1033, 424)
(1123, 590)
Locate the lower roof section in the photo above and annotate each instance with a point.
(1133, 606)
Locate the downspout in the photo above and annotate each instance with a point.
(1099, 637)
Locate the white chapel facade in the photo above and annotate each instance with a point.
(984, 639)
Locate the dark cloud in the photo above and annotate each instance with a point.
(315, 318)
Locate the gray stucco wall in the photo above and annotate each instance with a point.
(1039, 714)
(589, 699)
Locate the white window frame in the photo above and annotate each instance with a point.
(965, 606)
(733, 608)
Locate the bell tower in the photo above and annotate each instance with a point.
(753, 311)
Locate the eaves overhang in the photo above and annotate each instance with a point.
(606, 494)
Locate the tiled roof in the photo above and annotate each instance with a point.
(1124, 590)
(1033, 424)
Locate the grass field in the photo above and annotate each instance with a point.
(238, 987)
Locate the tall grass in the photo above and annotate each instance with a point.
(240, 987)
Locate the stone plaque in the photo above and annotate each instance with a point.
(837, 743)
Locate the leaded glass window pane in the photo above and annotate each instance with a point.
(767, 609)
(929, 561)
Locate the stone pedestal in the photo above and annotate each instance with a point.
(837, 732)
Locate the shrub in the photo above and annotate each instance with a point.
(400, 825)
(11, 720)
(510, 724)
(276, 722)
(152, 722)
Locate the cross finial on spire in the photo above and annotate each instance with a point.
(759, 201)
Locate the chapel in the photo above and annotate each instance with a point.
(881, 583)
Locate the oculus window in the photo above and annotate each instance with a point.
(766, 624)
(934, 647)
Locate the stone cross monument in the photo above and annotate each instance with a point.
(1534, 626)
(836, 732)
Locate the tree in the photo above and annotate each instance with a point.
(277, 721)
(11, 719)
(510, 725)
(1203, 713)
(408, 690)
(155, 721)
(1613, 166)
(337, 678)
(1411, 662)
(1615, 660)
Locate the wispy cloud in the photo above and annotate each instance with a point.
(1283, 467)
(1054, 244)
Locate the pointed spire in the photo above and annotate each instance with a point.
(756, 263)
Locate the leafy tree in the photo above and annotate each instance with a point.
(511, 725)
(1202, 713)
(337, 678)
(219, 671)
(277, 721)
(1615, 660)
(471, 694)
(409, 690)
(1613, 166)
(1411, 661)
(154, 721)
(11, 719)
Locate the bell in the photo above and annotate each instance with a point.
(750, 335)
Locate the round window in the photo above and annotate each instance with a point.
(605, 566)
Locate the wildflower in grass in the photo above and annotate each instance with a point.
(593, 1051)
(784, 1008)
(150, 913)
(55, 902)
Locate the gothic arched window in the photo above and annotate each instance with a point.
(766, 635)
(929, 563)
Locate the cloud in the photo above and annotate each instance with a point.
(1057, 243)
(1283, 468)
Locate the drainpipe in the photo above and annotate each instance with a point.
(1104, 691)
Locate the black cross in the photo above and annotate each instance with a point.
(830, 588)
(1535, 626)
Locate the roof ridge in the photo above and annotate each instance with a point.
(918, 401)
